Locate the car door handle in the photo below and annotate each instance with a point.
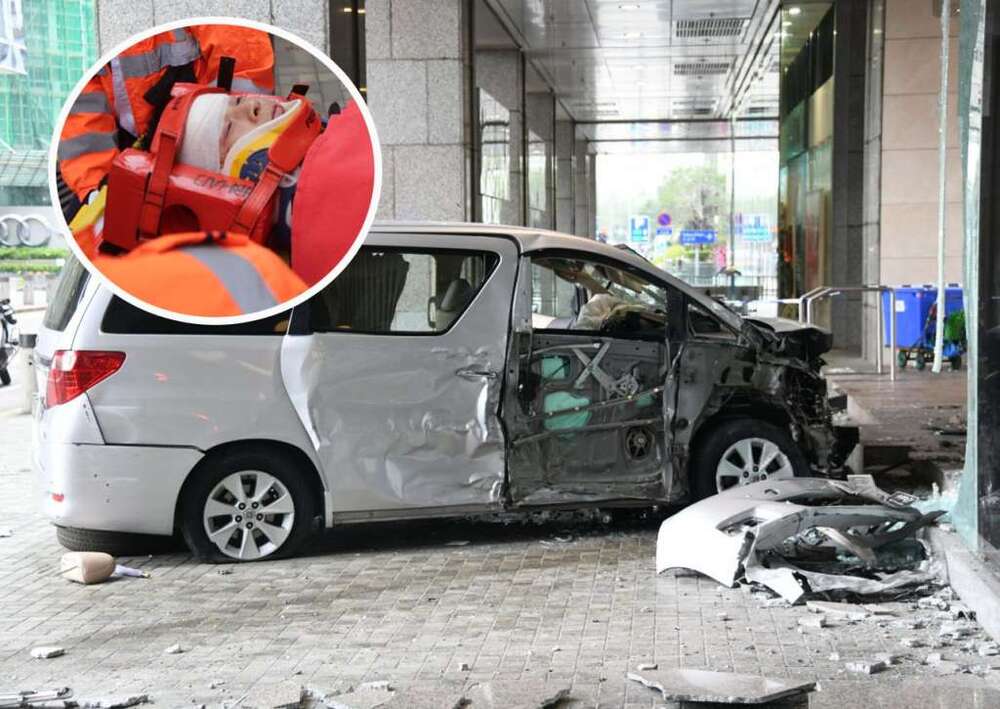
(473, 373)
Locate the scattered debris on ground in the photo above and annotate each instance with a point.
(62, 698)
(47, 652)
(6, 532)
(687, 685)
(866, 668)
(804, 537)
(174, 649)
(443, 694)
(90, 567)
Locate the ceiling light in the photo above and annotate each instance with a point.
(632, 35)
(795, 11)
(786, 23)
(629, 6)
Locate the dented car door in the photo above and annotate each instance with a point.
(395, 370)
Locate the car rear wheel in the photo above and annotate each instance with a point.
(115, 543)
(4, 376)
(741, 452)
(246, 506)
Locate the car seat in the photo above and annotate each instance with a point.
(454, 301)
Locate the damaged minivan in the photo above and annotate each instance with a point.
(450, 370)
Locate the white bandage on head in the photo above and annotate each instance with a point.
(203, 130)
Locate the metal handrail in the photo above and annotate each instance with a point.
(816, 294)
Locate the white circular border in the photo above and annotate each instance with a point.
(323, 59)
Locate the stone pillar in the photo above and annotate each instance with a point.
(416, 75)
(872, 207)
(565, 209)
(584, 191)
(846, 245)
(117, 20)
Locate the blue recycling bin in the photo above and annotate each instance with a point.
(913, 305)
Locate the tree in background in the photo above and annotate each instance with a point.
(695, 198)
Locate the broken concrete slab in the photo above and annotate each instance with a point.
(813, 621)
(34, 696)
(688, 685)
(46, 652)
(62, 698)
(370, 695)
(865, 668)
(847, 611)
(117, 702)
(516, 695)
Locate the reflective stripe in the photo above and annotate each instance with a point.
(247, 86)
(178, 53)
(91, 102)
(86, 143)
(123, 107)
(236, 274)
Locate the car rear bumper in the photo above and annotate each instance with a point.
(113, 488)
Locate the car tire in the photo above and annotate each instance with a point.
(252, 472)
(731, 436)
(114, 543)
(4, 377)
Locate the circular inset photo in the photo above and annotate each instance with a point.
(216, 171)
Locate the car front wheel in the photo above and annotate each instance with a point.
(741, 452)
(246, 506)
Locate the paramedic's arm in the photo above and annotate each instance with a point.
(88, 142)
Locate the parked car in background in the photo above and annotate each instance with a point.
(449, 370)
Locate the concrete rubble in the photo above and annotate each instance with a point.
(804, 538)
(689, 685)
(445, 694)
(46, 652)
(62, 698)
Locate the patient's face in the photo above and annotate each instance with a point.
(245, 113)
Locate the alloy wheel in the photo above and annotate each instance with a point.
(751, 460)
(249, 515)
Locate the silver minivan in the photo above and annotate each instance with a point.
(450, 370)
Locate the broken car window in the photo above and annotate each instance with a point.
(573, 294)
(401, 291)
(704, 325)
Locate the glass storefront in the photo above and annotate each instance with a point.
(699, 199)
(59, 42)
(806, 142)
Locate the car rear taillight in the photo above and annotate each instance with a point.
(75, 371)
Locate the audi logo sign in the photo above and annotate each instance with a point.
(28, 230)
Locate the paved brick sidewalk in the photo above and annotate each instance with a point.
(396, 602)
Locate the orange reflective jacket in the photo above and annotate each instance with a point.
(203, 274)
(114, 97)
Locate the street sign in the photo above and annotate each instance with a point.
(756, 233)
(754, 227)
(638, 226)
(663, 219)
(698, 237)
(664, 231)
